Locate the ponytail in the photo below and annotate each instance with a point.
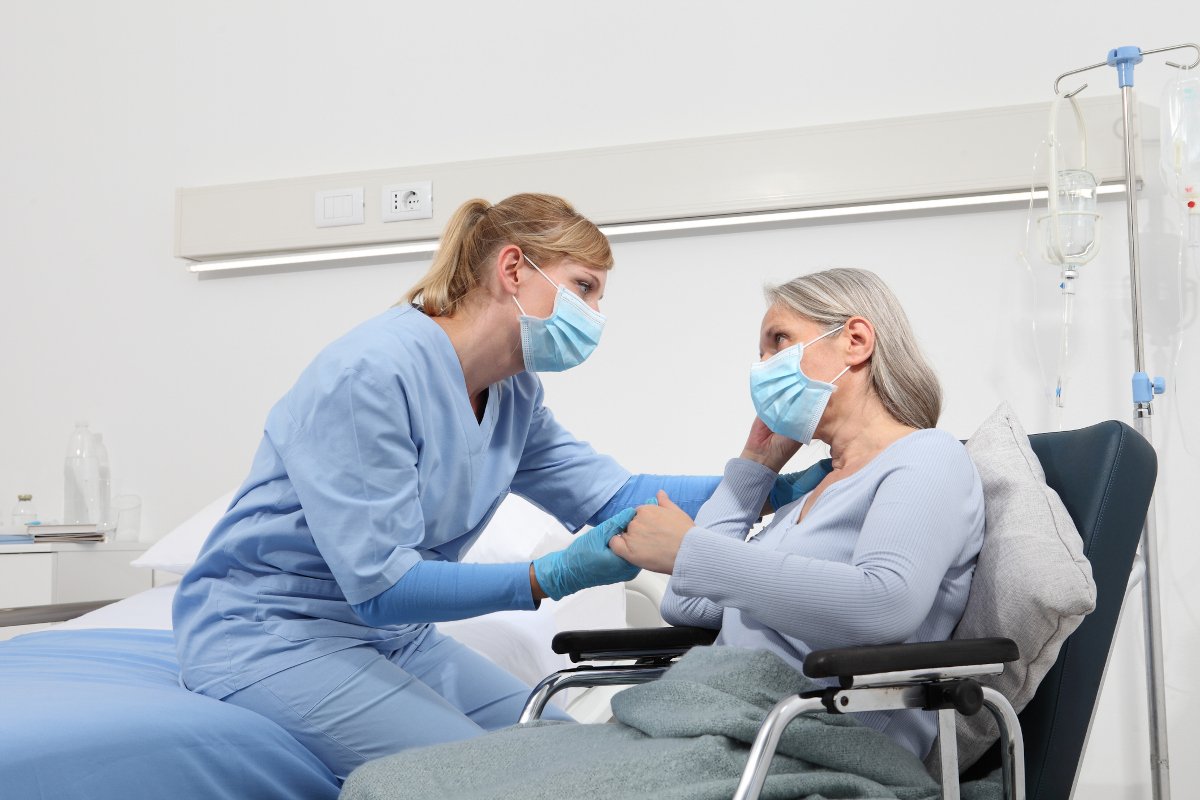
(546, 228)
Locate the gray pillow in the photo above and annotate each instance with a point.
(1032, 582)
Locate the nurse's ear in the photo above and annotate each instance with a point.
(509, 272)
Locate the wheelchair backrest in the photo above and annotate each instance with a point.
(1105, 476)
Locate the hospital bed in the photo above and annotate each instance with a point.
(93, 707)
(1104, 475)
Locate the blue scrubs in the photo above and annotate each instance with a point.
(373, 462)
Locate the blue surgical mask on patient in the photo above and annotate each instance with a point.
(565, 338)
(787, 401)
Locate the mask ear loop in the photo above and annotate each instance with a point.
(840, 374)
(539, 269)
(819, 338)
(827, 333)
(544, 275)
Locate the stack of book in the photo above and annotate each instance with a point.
(44, 534)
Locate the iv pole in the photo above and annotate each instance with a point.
(1124, 59)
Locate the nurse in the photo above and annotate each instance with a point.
(312, 598)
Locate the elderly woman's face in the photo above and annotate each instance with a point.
(783, 328)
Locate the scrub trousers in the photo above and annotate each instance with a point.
(356, 705)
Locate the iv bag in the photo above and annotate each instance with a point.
(1067, 233)
(1180, 135)
(1073, 239)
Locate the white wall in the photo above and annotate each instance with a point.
(107, 108)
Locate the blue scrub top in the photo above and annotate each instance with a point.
(372, 462)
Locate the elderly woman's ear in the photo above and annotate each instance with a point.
(859, 336)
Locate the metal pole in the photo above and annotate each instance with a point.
(1160, 778)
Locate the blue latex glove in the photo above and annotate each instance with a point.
(588, 561)
(791, 487)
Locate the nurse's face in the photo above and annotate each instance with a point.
(537, 294)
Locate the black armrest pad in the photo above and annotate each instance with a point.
(847, 661)
(624, 643)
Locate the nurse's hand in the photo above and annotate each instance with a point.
(769, 449)
(653, 538)
(587, 562)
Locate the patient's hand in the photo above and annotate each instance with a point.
(652, 540)
(769, 449)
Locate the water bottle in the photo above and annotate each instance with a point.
(104, 519)
(81, 478)
(24, 512)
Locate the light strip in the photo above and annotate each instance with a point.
(313, 256)
(833, 211)
(733, 221)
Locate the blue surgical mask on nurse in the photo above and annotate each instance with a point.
(565, 338)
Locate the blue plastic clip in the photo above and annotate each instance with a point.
(1144, 389)
(1124, 59)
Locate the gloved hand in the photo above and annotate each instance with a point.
(588, 561)
(791, 487)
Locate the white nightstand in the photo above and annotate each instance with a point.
(39, 574)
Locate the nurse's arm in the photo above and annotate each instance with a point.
(440, 591)
(689, 492)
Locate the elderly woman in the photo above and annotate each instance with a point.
(880, 543)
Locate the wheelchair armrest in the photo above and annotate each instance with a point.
(630, 643)
(844, 662)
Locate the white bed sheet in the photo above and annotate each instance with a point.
(150, 609)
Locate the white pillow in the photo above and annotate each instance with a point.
(1032, 583)
(515, 533)
(178, 550)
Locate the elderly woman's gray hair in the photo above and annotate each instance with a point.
(900, 376)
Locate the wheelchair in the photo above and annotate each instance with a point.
(1104, 475)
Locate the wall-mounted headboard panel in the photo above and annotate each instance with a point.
(937, 155)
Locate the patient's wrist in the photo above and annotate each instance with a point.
(760, 458)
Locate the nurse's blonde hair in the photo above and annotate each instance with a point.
(900, 376)
(545, 227)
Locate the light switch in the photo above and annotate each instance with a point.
(339, 207)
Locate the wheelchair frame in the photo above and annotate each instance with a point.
(921, 681)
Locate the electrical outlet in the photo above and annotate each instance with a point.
(403, 201)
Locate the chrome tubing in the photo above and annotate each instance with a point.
(584, 676)
(1156, 682)
(948, 753)
(763, 749)
(1135, 264)
(1012, 746)
(1160, 767)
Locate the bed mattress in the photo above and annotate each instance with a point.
(100, 714)
(93, 707)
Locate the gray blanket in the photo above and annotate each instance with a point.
(684, 737)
